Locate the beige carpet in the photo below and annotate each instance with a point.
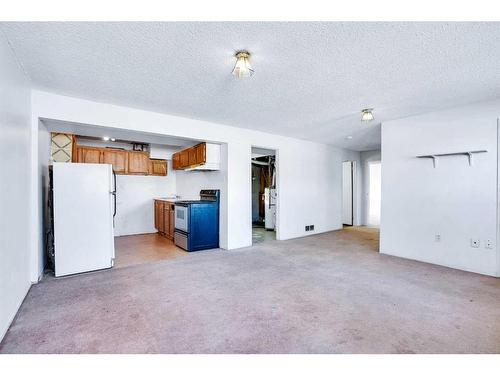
(329, 293)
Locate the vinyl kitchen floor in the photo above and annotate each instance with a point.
(326, 293)
(260, 234)
(144, 248)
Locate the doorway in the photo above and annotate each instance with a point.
(348, 193)
(264, 194)
(374, 192)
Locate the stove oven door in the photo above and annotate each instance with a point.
(182, 217)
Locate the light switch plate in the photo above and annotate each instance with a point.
(489, 244)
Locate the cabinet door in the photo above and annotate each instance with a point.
(201, 153)
(117, 158)
(171, 223)
(166, 218)
(158, 167)
(138, 162)
(89, 155)
(161, 218)
(176, 161)
(192, 156)
(156, 213)
(184, 159)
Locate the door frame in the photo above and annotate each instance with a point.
(278, 186)
(354, 191)
(368, 195)
(498, 199)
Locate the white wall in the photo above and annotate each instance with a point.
(454, 200)
(135, 194)
(305, 169)
(365, 158)
(15, 198)
(134, 201)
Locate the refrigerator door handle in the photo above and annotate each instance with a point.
(114, 193)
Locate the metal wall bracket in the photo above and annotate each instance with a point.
(469, 155)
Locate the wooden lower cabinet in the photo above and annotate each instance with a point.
(171, 222)
(164, 218)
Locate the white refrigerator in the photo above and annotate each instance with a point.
(84, 201)
(270, 208)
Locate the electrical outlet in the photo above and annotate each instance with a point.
(307, 228)
(489, 244)
(311, 227)
(474, 242)
(437, 238)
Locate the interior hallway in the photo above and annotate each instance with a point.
(327, 293)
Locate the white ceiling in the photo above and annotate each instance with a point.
(311, 79)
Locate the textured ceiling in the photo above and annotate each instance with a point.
(311, 79)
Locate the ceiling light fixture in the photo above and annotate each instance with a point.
(105, 138)
(349, 137)
(367, 115)
(112, 139)
(242, 68)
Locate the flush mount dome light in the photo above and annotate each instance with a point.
(367, 115)
(242, 68)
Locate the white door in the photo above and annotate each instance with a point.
(83, 217)
(347, 203)
(374, 193)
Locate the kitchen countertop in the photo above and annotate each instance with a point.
(171, 200)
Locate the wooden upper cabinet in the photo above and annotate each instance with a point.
(158, 167)
(176, 161)
(117, 158)
(88, 155)
(138, 162)
(123, 161)
(201, 153)
(191, 156)
(184, 159)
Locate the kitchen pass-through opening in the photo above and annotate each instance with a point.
(264, 194)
